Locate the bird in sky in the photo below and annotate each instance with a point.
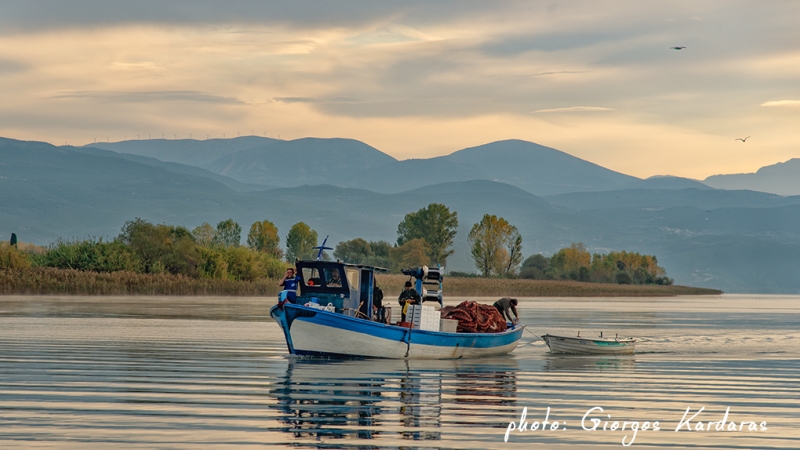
(677, 48)
(743, 140)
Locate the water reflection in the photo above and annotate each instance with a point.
(590, 363)
(324, 399)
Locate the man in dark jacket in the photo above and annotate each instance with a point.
(504, 305)
(407, 297)
(378, 310)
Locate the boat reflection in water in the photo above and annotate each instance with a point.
(390, 399)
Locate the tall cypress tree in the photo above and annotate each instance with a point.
(13, 239)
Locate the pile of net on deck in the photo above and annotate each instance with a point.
(474, 317)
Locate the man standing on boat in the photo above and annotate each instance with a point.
(407, 297)
(289, 283)
(506, 306)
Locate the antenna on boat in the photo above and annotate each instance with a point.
(322, 248)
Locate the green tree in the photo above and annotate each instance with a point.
(229, 234)
(513, 246)
(300, 242)
(534, 267)
(359, 251)
(436, 225)
(355, 251)
(264, 237)
(495, 245)
(413, 253)
(13, 241)
(204, 234)
(160, 247)
(12, 258)
(570, 260)
(380, 256)
(538, 261)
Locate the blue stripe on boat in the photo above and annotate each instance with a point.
(394, 333)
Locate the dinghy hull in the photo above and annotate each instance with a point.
(587, 346)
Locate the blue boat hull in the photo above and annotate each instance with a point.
(315, 332)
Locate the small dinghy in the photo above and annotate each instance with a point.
(588, 346)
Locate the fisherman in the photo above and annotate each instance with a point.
(335, 280)
(289, 283)
(378, 310)
(504, 305)
(407, 297)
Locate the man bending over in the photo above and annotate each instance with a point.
(504, 305)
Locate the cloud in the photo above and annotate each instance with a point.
(144, 96)
(574, 109)
(783, 103)
(36, 15)
(11, 66)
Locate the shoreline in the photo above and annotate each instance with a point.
(50, 281)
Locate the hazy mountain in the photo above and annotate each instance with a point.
(177, 168)
(655, 199)
(665, 182)
(739, 241)
(536, 169)
(349, 163)
(191, 152)
(62, 192)
(781, 178)
(302, 161)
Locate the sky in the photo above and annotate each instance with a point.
(416, 79)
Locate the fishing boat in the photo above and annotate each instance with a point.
(589, 346)
(332, 316)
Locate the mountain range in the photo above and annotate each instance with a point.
(781, 178)
(735, 240)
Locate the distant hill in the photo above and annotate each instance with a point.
(656, 199)
(177, 168)
(536, 169)
(666, 182)
(191, 152)
(781, 178)
(63, 192)
(302, 161)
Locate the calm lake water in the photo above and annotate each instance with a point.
(171, 372)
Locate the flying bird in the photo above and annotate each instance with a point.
(677, 48)
(743, 140)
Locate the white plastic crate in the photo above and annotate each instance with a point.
(424, 317)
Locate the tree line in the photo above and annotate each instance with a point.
(424, 237)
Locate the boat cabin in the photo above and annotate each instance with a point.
(348, 287)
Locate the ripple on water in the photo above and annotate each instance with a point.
(173, 382)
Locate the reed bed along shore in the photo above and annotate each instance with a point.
(500, 287)
(50, 281)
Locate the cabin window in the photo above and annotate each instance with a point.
(311, 277)
(353, 278)
(333, 277)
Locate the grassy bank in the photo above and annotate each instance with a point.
(495, 287)
(48, 281)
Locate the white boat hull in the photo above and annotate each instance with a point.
(319, 333)
(587, 346)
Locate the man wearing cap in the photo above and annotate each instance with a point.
(407, 297)
(506, 306)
